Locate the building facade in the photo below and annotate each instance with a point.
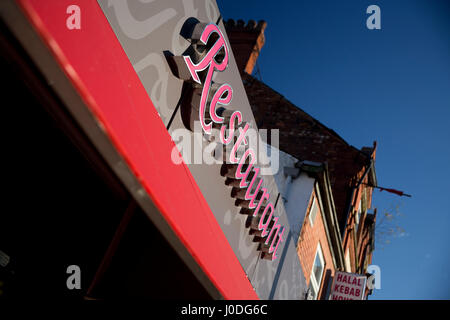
(123, 112)
(338, 234)
(122, 88)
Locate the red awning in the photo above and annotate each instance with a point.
(94, 61)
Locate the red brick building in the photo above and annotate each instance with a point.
(351, 170)
(313, 245)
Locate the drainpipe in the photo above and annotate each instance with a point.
(286, 191)
(291, 174)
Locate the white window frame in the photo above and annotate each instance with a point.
(312, 278)
(348, 265)
(358, 216)
(313, 207)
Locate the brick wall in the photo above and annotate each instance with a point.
(359, 242)
(306, 138)
(310, 236)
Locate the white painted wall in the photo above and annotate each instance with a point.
(297, 199)
(295, 193)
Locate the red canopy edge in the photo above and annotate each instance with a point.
(97, 66)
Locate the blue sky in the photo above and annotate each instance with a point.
(390, 85)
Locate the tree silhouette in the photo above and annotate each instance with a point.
(387, 226)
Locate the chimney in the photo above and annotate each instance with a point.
(246, 42)
(370, 151)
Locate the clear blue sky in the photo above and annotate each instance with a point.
(390, 85)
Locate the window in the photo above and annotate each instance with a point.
(313, 211)
(358, 216)
(312, 294)
(348, 266)
(315, 279)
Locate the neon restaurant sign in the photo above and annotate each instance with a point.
(209, 53)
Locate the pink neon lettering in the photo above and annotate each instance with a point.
(239, 174)
(265, 196)
(263, 226)
(226, 141)
(217, 98)
(223, 96)
(276, 226)
(208, 62)
(242, 132)
(248, 193)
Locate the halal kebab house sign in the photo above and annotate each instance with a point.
(348, 286)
